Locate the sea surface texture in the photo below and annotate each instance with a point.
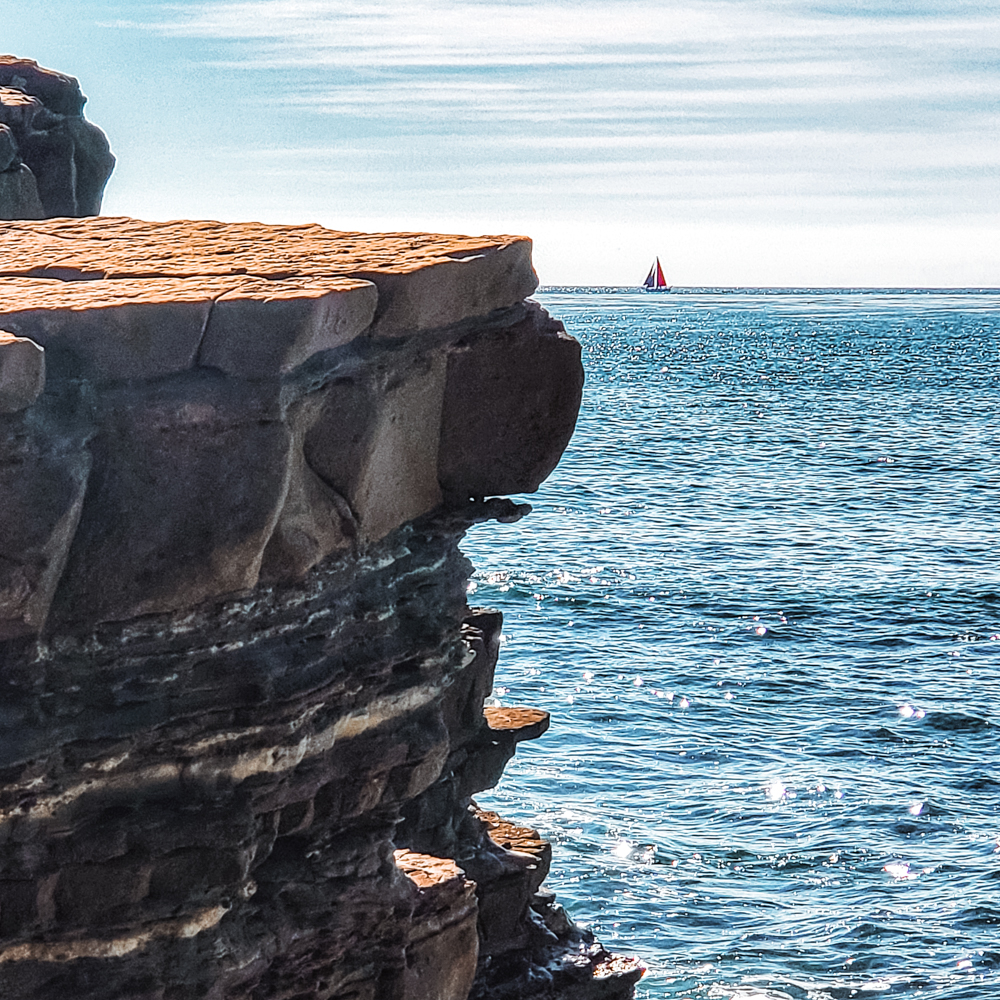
(761, 597)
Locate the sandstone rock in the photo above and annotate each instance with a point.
(518, 723)
(93, 163)
(18, 110)
(188, 481)
(106, 331)
(19, 195)
(57, 91)
(463, 705)
(129, 329)
(22, 372)
(376, 445)
(424, 281)
(510, 405)
(467, 283)
(354, 430)
(262, 329)
(314, 520)
(442, 947)
(243, 691)
(8, 148)
(508, 871)
(494, 745)
(66, 156)
(44, 468)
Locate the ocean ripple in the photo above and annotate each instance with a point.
(760, 597)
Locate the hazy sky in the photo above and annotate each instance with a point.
(744, 141)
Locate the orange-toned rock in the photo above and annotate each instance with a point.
(442, 946)
(521, 840)
(146, 328)
(59, 93)
(17, 109)
(239, 670)
(521, 723)
(263, 328)
(424, 281)
(109, 330)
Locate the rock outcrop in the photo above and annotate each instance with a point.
(242, 723)
(52, 160)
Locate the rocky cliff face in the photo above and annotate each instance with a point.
(52, 160)
(242, 721)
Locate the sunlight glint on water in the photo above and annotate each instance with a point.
(761, 597)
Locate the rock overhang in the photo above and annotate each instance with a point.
(232, 403)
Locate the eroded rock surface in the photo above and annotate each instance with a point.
(243, 721)
(52, 160)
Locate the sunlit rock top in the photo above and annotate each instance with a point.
(423, 280)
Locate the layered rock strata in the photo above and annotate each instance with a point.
(243, 718)
(52, 160)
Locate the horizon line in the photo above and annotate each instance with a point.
(841, 289)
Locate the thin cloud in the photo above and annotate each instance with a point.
(823, 113)
(723, 52)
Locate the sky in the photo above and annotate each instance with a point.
(745, 142)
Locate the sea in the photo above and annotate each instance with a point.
(760, 597)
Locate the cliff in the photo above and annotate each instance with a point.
(52, 160)
(243, 719)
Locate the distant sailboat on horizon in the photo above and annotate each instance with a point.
(655, 282)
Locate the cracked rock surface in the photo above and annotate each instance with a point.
(242, 723)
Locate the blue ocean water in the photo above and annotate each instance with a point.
(761, 598)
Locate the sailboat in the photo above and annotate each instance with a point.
(655, 282)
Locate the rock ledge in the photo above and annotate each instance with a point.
(243, 717)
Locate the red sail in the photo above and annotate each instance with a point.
(655, 280)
